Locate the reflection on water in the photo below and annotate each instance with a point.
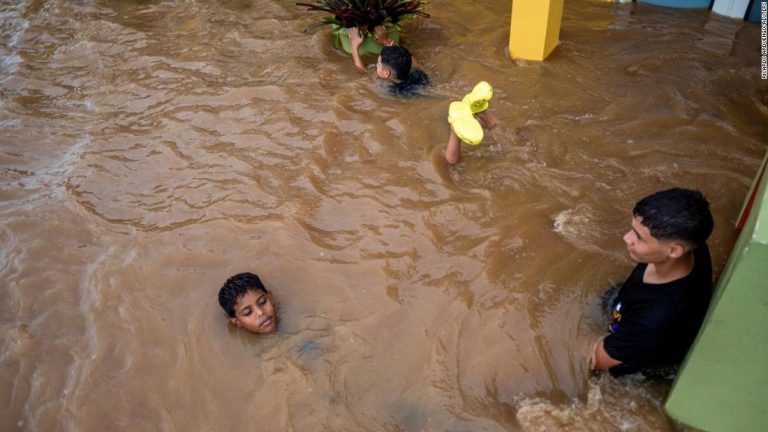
(150, 149)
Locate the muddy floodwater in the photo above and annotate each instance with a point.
(151, 149)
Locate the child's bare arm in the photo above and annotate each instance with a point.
(355, 40)
(453, 151)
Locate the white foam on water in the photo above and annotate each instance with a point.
(9, 62)
(16, 27)
(10, 123)
(609, 402)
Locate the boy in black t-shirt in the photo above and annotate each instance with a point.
(393, 65)
(659, 308)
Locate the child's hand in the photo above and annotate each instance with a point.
(355, 38)
(382, 36)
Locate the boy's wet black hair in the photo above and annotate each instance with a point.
(235, 288)
(398, 59)
(676, 214)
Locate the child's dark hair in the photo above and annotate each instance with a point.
(235, 288)
(676, 214)
(398, 59)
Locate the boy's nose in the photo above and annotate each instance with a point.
(628, 238)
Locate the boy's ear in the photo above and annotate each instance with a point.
(234, 322)
(676, 250)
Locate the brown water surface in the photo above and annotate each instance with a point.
(151, 149)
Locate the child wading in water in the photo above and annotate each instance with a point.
(394, 63)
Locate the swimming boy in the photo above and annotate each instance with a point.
(660, 307)
(394, 63)
(248, 303)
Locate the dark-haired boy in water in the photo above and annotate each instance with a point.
(394, 63)
(659, 308)
(248, 304)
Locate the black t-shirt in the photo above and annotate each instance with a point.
(655, 324)
(411, 86)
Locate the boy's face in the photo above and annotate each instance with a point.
(382, 71)
(645, 248)
(255, 312)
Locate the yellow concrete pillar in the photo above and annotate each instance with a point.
(535, 28)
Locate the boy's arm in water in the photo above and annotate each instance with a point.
(355, 40)
(602, 360)
(453, 151)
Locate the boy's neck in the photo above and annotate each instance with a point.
(669, 270)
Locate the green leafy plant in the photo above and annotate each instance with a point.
(366, 14)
